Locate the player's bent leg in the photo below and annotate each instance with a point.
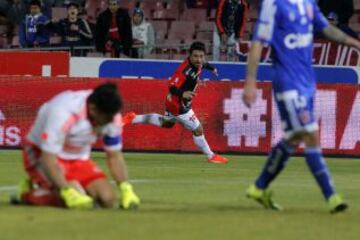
(153, 119)
(37, 188)
(168, 124)
(102, 191)
(42, 197)
(202, 144)
(262, 196)
(275, 163)
(320, 171)
(128, 118)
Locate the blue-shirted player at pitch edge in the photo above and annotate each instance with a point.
(288, 26)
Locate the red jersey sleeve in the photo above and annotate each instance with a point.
(178, 79)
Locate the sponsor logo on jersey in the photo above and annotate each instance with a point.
(296, 40)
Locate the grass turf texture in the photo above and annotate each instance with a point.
(183, 197)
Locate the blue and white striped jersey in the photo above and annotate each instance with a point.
(288, 26)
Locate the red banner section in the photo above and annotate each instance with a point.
(229, 125)
(325, 53)
(46, 64)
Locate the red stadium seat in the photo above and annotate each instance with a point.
(158, 56)
(147, 13)
(179, 56)
(3, 29)
(171, 46)
(355, 18)
(126, 4)
(3, 42)
(204, 36)
(166, 14)
(206, 26)
(59, 13)
(357, 6)
(182, 30)
(175, 4)
(55, 40)
(159, 26)
(15, 41)
(150, 4)
(160, 29)
(355, 26)
(195, 15)
(93, 8)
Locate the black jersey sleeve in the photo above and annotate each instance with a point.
(209, 66)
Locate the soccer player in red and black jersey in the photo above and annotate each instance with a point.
(182, 87)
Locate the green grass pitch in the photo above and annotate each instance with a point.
(183, 197)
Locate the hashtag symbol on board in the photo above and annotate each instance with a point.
(243, 121)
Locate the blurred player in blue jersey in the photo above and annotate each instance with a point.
(288, 26)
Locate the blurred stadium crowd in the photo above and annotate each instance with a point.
(160, 29)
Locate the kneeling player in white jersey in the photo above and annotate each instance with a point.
(57, 152)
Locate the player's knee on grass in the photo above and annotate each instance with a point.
(198, 132)
(103, 192)
(107, 198)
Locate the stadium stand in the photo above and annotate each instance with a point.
(175, 25)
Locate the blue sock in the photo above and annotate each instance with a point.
(318, 168)
(275, 163)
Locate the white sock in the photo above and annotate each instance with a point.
(202, 144)
(152, 118)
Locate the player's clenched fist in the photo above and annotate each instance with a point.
(249, 95)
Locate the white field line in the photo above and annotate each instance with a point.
(306, 183)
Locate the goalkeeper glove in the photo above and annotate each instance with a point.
(129, 200)
(75, 200)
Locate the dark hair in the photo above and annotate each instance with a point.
(200, 46)
(106, 98)
(35, 2)
(138, 11)
(72, 4)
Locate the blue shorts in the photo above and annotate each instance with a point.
(296, 112)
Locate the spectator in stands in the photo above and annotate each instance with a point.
(231, 18)
(334, 20)
(190, 3)
(33, 31)
(73, 30)
(344, 9)
(212, 4)
(15, 10)
(3, 18)
(143, 34)
(113, 31)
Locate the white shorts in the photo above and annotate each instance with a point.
(188, 120)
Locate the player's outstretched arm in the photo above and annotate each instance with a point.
(249, 95)
(336, 35)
